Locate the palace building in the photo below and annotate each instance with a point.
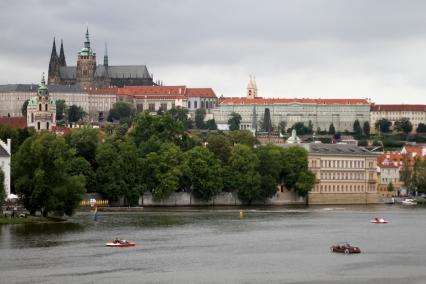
(87, 73)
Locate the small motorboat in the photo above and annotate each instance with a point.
(120, 244)
(409, 201)
(345, 248)
(378, 221)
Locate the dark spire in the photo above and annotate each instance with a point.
(62, 61)
(53, 54)
(106, 55)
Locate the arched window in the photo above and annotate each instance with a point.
(189, 104)
(39, 107)
(32, 117)
(38, 125)
(45, 107)
(47, 125)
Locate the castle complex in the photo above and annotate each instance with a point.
(89, 74)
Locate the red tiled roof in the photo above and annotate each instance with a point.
(295, 100)
(16, 122)
(151, 90)
(200, 92)
(398, 107)
(100, 91)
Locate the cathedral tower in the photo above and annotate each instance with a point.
(62, 61)
(54, 76)
(252, 88)
(86, 64)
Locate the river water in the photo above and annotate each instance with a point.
(269, 245)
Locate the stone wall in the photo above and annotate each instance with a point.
(345, 198)
(223, 199)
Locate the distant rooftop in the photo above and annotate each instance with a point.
(34, 87)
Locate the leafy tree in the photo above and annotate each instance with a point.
(180, 114)
(203, 172)
(84, 141)
(300, 128)
(282, 127)
(383, 125)
(267, 123)
(406, 172)
(61, 109)
(366, 128)
(295, 173)
(420, 176)
(163, 127)
(357, 128)
(199, 118)
(8, 132)
(162, 171)
(80, 166)
(24, 108)
(220, 146)
(211, 124)
(40, 176)
(403, 125)
(390, 187)
(75, 114)
(421, 128)
(242, 137)
(242, 174)
(269, 169)
(331, 129)
(234, 121)
(121, 111)
(310, 127)
(119, 171)
(2, 189)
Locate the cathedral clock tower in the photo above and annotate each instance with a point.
(86, 64)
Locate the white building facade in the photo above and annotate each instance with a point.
(5, 156)
(41, 110)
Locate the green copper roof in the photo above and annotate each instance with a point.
(42, 88)
(86, 50)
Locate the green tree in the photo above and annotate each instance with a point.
(331, 129)
(220, 146)
(75, 114)
(162, 126)
(406, 173)
(121, 111)
(61, 110)
(282, 127)
(295, 173)
(403, 125)
(84, 141)
(421, 128)
(269, 169)
(420, 176)
(366, 128)
(180, 114)
(211, 124)
(80, 166)
(24, 108)
(383, 125)
(242, 174)
(357, 128)
(162, 171)
(2, 189)
(199, 118)
(203, 173)
(390, 187)
(300, 128)
(234, 121)
(40, 176)
(8, 132)
(242, 137)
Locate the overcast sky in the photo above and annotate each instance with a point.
(317, 49)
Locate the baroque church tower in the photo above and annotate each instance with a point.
(252, 88)
(86, 64)
(41, 109)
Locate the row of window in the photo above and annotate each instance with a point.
(345, 164)
(343, 175)
(204, 104)
(344, 188)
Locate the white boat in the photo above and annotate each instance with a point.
(409, 201)
(378, 221)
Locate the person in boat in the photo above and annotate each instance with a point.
(376, 219)
(116, 241)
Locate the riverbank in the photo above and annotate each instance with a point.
(28, 220)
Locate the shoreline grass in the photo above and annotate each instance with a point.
(28, 220)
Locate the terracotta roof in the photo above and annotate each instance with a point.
(287, 101)
(200, 92)
(16, 122)
(100, 91)
(151, 90)
(398, 107)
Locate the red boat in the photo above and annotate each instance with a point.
(345, 248)
(378, 221)
(120, 244)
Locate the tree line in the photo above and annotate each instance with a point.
(152, 153)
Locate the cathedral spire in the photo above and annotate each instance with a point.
(53, 54)
(106, 55)
(62, 61)
(87, 50)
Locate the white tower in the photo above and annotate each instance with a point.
(252, 88)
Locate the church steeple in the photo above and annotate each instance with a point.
(62, 61)
(53, 54)
(252, 88)
(53, 65)
(106, 55)
(87, 50)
